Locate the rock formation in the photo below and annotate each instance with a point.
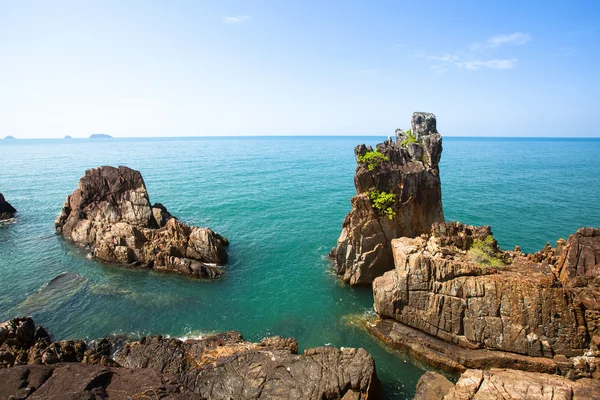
(110, 212)
(398, 194)
(6, 210)
(222, 366)
(456, 285)
(505, 384)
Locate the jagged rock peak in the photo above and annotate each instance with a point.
(398, 194)
(6, 210)
(110, 213)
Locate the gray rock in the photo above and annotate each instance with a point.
(423, 124)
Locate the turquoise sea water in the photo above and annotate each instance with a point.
(281, 202)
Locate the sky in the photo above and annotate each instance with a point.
(214, 68)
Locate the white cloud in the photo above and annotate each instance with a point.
(478, 56)
(492, 64)
(237, 19)
(517, 38)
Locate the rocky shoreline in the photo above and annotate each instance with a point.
(221, 366)
(447, 295)
(110, 213)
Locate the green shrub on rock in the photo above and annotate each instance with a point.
(383, 202)
(408, 138)
(372, 159)
(483, 252)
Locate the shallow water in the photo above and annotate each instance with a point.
(280, 201)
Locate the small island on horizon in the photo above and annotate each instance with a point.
(100, 136)
(9, 137)
(68, 137)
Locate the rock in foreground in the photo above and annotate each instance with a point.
(456, 285)
(223, 366)
(6, 210)
(501, 384)
(398, 194)
(110, 212)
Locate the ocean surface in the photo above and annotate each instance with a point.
(280, 201)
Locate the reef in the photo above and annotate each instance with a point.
(110, 213)
(6, 210)
(398, 195)
(221, 366)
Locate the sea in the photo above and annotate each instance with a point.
(280, 201)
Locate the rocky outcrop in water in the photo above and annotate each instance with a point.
(456, 285)
(504, 384)
(222, 366)
(398, 194)
(110, 213)
(6, 210)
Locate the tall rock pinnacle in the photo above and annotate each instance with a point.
(398, 194)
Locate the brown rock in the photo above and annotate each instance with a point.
(222, 366)
(110, 212)
(489, 299)
(511, 384)
(410, 173)
(432, 386)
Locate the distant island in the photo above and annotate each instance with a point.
(9, 137)
(100, 136)
(68, 137)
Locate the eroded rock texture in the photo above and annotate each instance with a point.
(110, 212)
(223, 366)
(510, 384)
(545, 305)
(411, 173)
(6, 210)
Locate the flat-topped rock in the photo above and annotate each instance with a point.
(6, 210)
(110, 212)
(457, 285)
(398, 194)
(221, 366)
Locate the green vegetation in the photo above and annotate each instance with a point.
(483, 252)
(383, 202)
(372, 159)
(408, 138)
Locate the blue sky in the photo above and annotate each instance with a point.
(193, 68)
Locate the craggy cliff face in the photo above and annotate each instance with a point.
(407, 172)
(456, 284)
(110, 212)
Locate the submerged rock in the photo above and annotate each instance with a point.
(222, 366)
(456, 285)
(54, 294)
(110, 212)
(6, 210)
(398, 194)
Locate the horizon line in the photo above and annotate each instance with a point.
(289, 136)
